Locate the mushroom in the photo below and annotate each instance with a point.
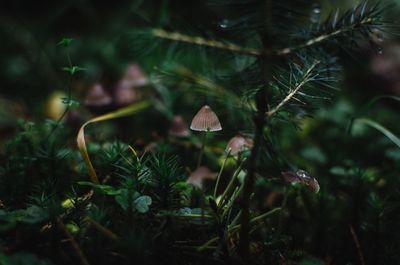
(134, 76)
(238, 144)
(124, 95)
(301, 176)
(179, 127)
(205, 121)
(97, 97)
(199, 175)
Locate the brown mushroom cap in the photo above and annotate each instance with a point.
(97, 96)
(205, 120)
(179, 127)
(238, 144)
(134, 76)
(199, 175)
(124, 95)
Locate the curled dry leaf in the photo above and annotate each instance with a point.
(301, 176)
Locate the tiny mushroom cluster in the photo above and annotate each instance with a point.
(124, 92)
(207, 121)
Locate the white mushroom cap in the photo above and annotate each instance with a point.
(206, 120)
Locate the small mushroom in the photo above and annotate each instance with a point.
(205, 121)
(124, 95)
(179, 127)
(134, 76)
(97, 97)
(301, 176)
(199, 175)
(238, 144)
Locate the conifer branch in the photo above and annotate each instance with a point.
(324, 37)
(291, 95)
(196, 40)
(352, 20)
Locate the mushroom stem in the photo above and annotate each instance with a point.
(220, 173)
(203, 144)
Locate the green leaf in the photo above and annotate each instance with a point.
(142, 203)
(31, 215)
(65, 42)
(73, 69)
(380, 128)
(123, 198)
(70, 102)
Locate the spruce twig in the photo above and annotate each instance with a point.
(176, 36)
(323, 37)
(293, 92)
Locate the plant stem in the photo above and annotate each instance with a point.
(69, 95)
(220, 173)
(283, 206)
(358, 246)
(230, 184)
(203, 143)
(260, 122)
(82, 258)
(103, 230)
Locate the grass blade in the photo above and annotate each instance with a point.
(130, 110)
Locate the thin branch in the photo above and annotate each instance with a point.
(105, 231)
(176, 36)
(196, 40)
(74, 244)
(358, 246)
(260, 122)
(291, 95)
(322, 38)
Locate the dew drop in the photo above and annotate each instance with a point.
(315, 13)
(224, 23)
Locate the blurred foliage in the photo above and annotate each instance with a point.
(144, 209)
